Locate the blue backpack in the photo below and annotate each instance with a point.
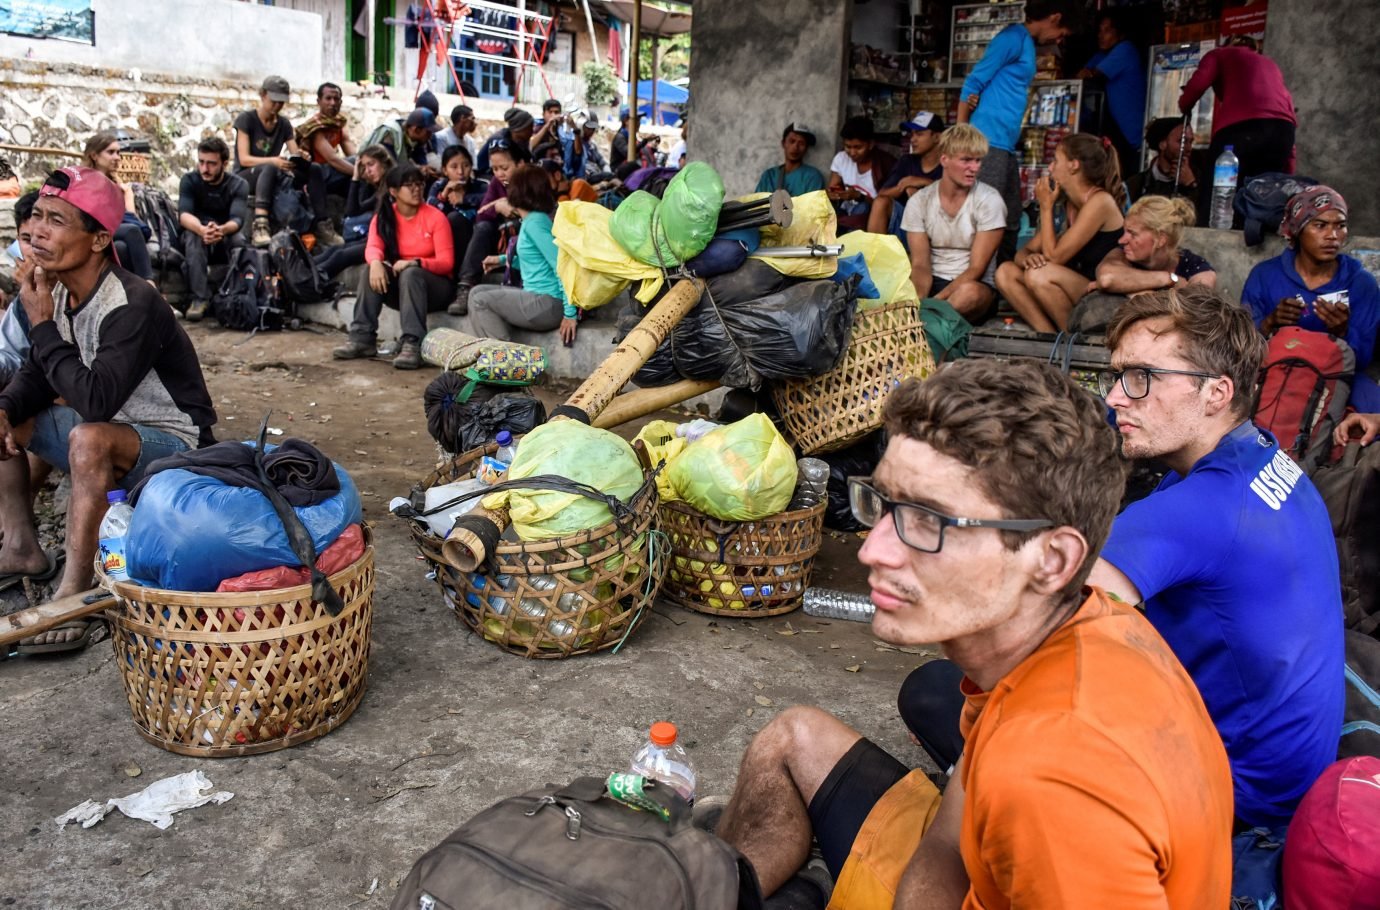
(1261, 201)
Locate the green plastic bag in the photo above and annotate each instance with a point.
(740, 472)
(689, 213)
(570, 449)
(945, 329)
(634, 224)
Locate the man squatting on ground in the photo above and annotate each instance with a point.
(1077, 718)
(106, 343)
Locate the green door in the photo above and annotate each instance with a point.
(357, 51)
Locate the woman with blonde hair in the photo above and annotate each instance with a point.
(1150, 257)
(102, 153)
(1053, 270)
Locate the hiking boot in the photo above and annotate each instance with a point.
(409, 356)
(261, 236)
(197, 310)
(326, 234)
(461, 304)
(355, 350)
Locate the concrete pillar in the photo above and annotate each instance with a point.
(757, 67)
(1330, 56)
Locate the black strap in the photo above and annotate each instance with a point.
(298, 536)
(570, 411)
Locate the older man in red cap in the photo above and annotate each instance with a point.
(109, 348)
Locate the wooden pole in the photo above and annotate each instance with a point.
(656, 77)
(23, 624)
(641, 402)
(634, 72)
(371, 13)
(468, 544)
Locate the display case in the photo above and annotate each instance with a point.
(1051, 114)
(974, 27)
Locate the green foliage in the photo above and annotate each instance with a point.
(675, 57)
(600, 83)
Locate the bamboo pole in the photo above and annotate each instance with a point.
(22, 624)
(38, 150)
(635, 64)
(641, 402)
(469, 543)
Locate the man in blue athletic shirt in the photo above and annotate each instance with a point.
(994, 98)
(1233, 554)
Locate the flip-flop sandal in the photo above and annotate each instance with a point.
(93, 630)
(55, 562)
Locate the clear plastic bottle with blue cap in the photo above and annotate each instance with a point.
(114, 527)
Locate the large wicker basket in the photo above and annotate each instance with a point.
(133, 168)
(748, 568)
(219, 675)
(832, 411)
(555, 598)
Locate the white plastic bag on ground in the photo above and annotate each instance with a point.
(155, 804)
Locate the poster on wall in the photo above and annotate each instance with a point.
(1171, 66)
(65, 20)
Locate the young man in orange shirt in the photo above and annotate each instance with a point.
(1091, 774)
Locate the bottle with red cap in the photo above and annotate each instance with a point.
(662, 758)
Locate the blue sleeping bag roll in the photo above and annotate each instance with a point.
(189, 532)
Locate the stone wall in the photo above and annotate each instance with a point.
(61, 105)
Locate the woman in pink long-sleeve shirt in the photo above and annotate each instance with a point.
(1254, 112)
(411, 258)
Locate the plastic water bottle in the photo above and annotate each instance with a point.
(507, 448)
(663, 759)
(441, 522)
(114, 526)
(812, 485)
(1224, 175)
(829, 604)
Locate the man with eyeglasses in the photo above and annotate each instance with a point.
(1233, 555)
(1317, 287)
(1088, 773)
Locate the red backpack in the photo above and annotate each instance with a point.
(1304, 386)
(1332, 853)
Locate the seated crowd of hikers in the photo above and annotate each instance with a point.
(1134, 698)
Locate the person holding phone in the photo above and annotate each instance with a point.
(1314, 285)
(1052, 271)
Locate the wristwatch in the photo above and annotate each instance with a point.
(1173, 279)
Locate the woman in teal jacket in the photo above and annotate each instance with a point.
(540, 304)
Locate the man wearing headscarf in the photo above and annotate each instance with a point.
(1317, 287)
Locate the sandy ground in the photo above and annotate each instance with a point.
(449, 723)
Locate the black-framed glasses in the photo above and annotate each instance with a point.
(920, 527)
(1135, 381)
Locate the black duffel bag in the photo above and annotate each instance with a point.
(576, 846)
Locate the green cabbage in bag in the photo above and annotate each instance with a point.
(740, 472)
(570, 449)
(634, 224)
(689, 212)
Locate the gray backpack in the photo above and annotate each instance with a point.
(577, 847)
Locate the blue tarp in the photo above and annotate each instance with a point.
(670, 99)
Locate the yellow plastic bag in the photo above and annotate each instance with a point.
(570, 449)
(887, 263)
(591, 265)
(740, 472)
(813, 221)
(659, 436)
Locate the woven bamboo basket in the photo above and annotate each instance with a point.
(133, 168)
(577, 594)
(832, 411)
(743, 569)
(220, 675)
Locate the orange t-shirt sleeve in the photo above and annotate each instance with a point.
(1054, 827)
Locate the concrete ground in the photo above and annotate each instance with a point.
(448, 725)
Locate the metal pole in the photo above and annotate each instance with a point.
(371, 11)
(593, 39)
(521, 49)
(634, 72)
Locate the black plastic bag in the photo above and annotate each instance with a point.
(459, 424)
(858, 460)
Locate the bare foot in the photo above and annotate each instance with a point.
(25, 561)
(68, 632)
